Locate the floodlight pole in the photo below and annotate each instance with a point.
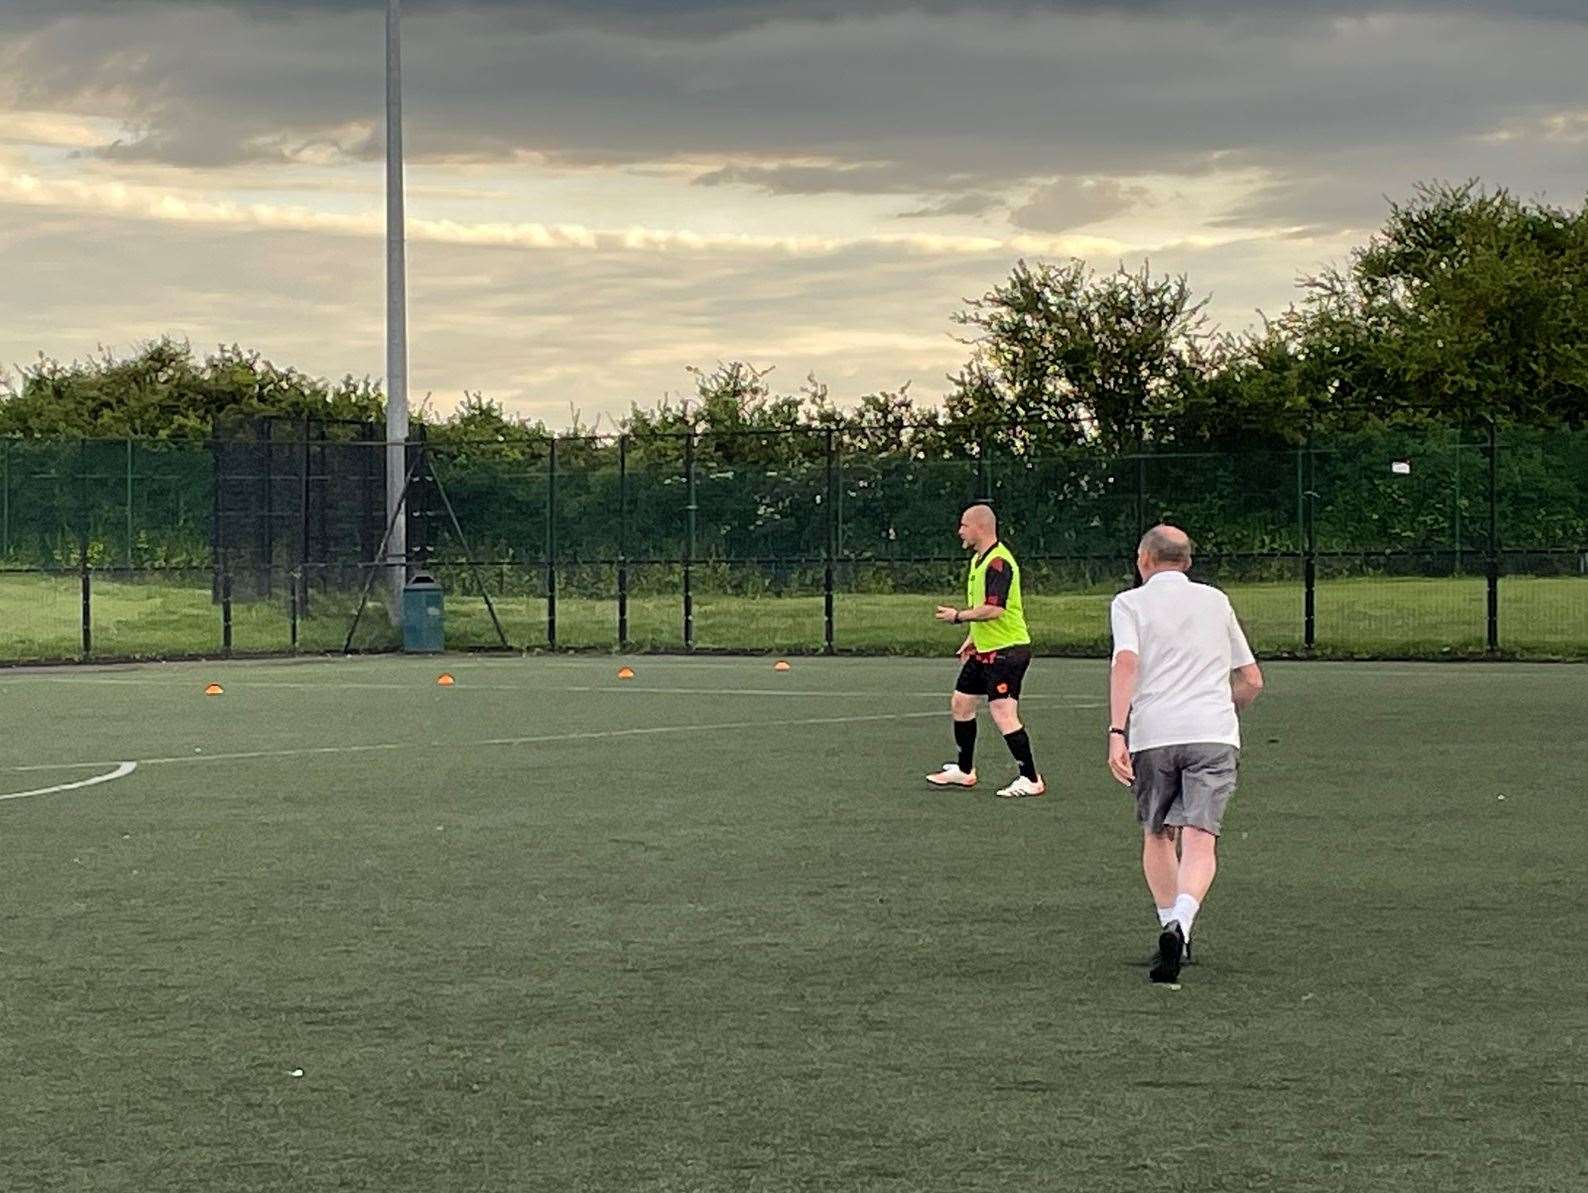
(396, 312)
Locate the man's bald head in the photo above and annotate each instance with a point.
(978, 527)
(983, 518)
(1163, 549)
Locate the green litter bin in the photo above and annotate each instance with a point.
(423, 632)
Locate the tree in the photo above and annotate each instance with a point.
(1468, 304)
(161, 392)
(1097, 359)
(1252, 392)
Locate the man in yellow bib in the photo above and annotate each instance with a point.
(995, 655)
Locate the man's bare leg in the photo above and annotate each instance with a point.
(1198, 864)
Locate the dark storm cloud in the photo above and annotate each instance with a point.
(957, 109)
(914, 103)
(728, 15)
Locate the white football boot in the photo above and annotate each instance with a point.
(1023, 788)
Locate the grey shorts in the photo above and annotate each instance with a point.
(1190, 785)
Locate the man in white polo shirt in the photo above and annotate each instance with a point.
(1182, 671)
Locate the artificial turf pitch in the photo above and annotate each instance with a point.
(708, 930)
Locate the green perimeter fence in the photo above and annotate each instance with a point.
(1383, 543)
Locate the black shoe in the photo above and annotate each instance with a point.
(1171, 947)
(1186, 956)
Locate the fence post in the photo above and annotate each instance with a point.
(268, 529)
(623, 541)
(324, 507)
(1309, 534)
(84, 582)
(1301, 532)
(5, 501)
(88, 610)
(222, 582)
(300, 591)
(551, 546)
(226, 610)
(215, 517)
(367, 457)
(832, 548)
(129, 504)
(1492, 636)
(689, 539)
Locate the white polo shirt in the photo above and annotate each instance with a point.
(1189, 641)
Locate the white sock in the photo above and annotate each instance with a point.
(1185, 910)
(1165, 914)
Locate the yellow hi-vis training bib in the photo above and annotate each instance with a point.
(1009, 629)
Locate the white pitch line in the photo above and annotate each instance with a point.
(936, 694)
(463, 686)
(121, 772)
(545, 739)
(1465, 670)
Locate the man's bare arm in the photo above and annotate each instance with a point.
(1245, 683)
(1121, 691)
(979, 613)
(1122, 687)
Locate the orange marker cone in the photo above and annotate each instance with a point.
(214, 689)
(625, 672)
(782, 665)
(445, 680)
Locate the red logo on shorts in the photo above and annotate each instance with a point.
(1002, 688)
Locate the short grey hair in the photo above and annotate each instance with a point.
(1168, 546)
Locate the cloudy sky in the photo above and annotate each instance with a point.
(604, 192)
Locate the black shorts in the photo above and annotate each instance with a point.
(996, 675)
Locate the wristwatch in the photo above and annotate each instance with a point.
(1113, 729)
